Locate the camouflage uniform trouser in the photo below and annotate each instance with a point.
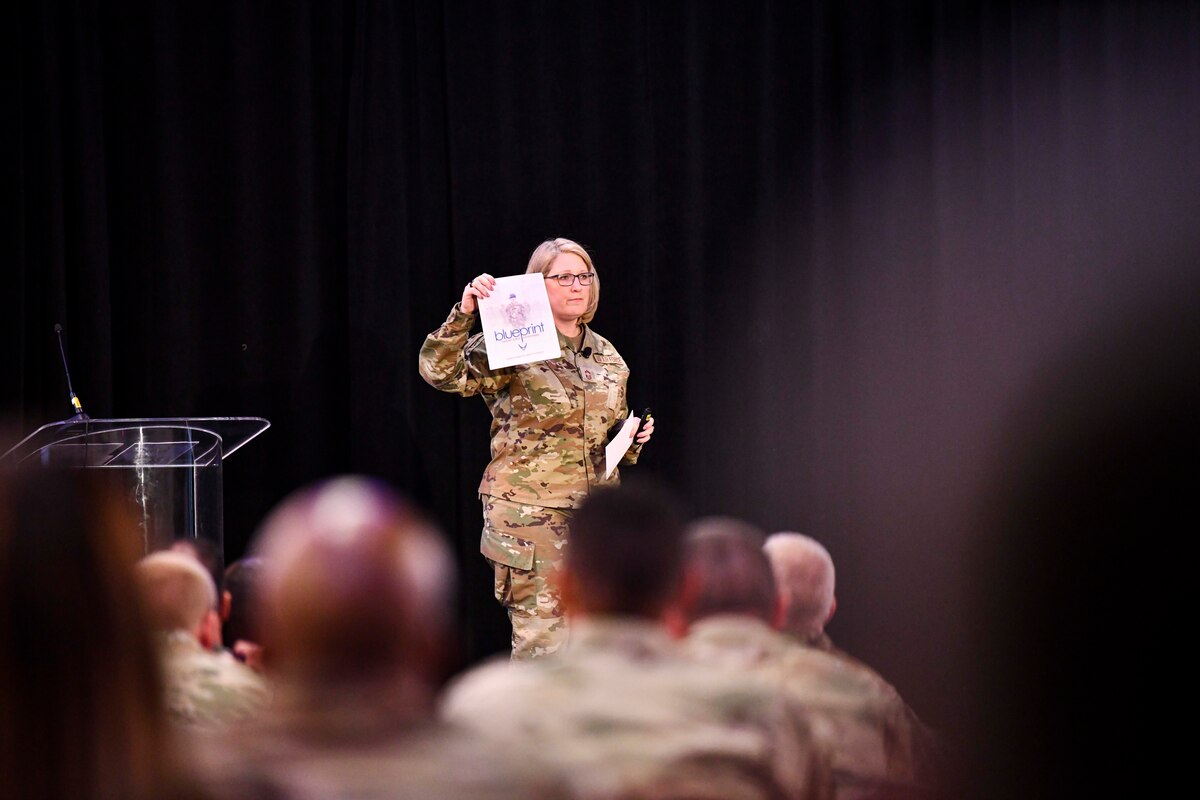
(526, 546)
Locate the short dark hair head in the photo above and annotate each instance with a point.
(626, 550)
(1092, 482)
(241, 581)
(732, 575)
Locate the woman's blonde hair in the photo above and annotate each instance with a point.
(545, 253)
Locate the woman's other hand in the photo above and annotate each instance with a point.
(645, 432)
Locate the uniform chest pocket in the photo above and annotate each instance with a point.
(609, 378)
(543, 393)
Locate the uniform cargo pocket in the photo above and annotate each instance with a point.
(504, 548)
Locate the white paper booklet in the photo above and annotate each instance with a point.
(615, 450)
(517, 323)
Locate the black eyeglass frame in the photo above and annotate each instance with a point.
(571, 278)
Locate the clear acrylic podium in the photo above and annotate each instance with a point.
(169, 468)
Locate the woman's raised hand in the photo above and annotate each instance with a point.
(481, 286)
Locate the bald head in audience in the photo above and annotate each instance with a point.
(804, 578)
(205, 687)
(355, 586)
(354, 605)
(179, 595)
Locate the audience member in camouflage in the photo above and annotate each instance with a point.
(355, 596)
(731, 607)
(625, 714)
(550, 422)
(804, 577)
(622, 711)
(863, 723)
(206, 687)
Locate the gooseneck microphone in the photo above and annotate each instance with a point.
(76, 406)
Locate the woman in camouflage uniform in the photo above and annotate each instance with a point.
(550, 422)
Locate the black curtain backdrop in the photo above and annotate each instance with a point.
(836, 239)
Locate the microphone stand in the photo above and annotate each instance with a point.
(76, 406)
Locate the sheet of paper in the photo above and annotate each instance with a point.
(517, 323)
(616, 449)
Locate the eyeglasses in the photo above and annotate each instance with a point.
(567, 279)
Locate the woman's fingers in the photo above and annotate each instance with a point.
(483, 285)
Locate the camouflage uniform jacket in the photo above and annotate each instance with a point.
(205, 688)
(550, 419)
(856, 711)
(626, 715)
(926, 746)
(364, 741)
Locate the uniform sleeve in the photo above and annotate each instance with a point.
(452, 360)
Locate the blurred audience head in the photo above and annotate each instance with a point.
(80, 693)
(207, 553)
(728, 572)
(355, 587)
(626, 552)
(1093, 484)
(804, 578)
(179, 594)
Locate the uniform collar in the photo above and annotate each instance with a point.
(568, 347)
(178, 640)
(631, 636)
(740, 632)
